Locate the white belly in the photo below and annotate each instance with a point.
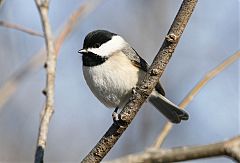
(112, 81)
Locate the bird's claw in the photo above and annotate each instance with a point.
(117, 119)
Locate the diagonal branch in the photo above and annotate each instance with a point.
(51, 60)
(19, 28)
(10, 86)
(141, 92)
(230, 148)
(168, 126)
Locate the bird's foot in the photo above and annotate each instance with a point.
(117, 118)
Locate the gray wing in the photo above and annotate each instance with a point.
(135, 58)
(140, 63)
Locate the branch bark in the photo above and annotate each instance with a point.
(10, 86)
(230, 148)
(168, 126)
(141, 92)
(20, 28)
(43, 6)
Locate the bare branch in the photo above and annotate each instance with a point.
(230, 148)
(142, 91)
(20, 28)
(10, 86)
(168, 126)
(43, 6)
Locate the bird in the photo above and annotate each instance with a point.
(112, 68)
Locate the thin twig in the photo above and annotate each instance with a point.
(141, 92)
(10, 86)
(168, 126)
(43, 6)
(230, 148)
(19, 28)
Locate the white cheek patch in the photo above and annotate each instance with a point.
(115, 44)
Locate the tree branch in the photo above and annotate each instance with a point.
(168, 126)
(230, 148)
(19, 28)
(43, 6)
(141, 92)
(10, 86)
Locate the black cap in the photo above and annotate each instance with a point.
(96, 38)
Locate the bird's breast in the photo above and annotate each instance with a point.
(112, 81)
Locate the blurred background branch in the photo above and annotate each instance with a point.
(168, 126)
(9, 87)
(146, 86)
(1, 3)
(50, 65)
(224, 148)
(20, 28)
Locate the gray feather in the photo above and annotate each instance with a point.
(167, 108)
(139, 62)
(135, 58)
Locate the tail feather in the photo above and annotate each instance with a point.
(167, 108)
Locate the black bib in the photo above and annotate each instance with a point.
(90, 59)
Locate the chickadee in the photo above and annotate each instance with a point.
(111, 68)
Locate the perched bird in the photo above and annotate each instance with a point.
(111, 68)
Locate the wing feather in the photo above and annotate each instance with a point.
(139, 62)
(135, 58)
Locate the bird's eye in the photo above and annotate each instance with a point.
(97, 45)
